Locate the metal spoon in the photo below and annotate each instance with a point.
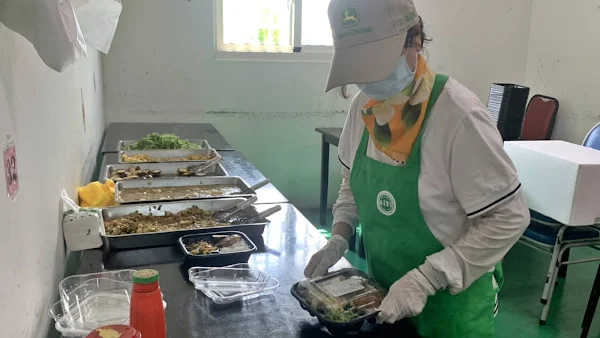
(228, 213)
(198, 169)
(255, 187)
(260, 216)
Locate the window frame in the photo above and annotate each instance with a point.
(295, 52)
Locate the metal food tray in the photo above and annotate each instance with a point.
(164, 238)
(168, 154)
(219, 259)
(188, 182)
(168, 169)
(123, 144)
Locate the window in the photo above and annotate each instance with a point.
(273, 26)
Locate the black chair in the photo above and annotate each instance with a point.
(591, 307)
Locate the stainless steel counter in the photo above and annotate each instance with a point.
(287, 245)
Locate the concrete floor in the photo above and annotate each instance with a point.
(525, 271)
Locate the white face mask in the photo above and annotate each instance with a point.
(400, 78)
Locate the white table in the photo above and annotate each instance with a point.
(559, 179)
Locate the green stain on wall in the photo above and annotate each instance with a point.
(285, 147)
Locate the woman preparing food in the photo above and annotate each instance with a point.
(424, 172)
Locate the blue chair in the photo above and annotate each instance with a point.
(555, 238)
(592, 139)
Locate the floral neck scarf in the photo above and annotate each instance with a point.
(394, 124)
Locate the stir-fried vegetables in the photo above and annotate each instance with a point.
(162, 141)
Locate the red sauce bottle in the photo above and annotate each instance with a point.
(146, 313)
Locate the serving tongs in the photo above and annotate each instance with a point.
(199, 168)
(255, 187)
(224, 215)
(260, 216)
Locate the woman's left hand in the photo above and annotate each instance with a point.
(406, 298)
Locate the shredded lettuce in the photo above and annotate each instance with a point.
(164, 141)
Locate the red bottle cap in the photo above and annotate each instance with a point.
(115, 331)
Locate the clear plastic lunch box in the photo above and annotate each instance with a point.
(91, 301)
(233, 283)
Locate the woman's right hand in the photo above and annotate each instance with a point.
(325, 258)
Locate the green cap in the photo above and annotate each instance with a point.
(146, 276)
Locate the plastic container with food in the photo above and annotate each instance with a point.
(342, 300)
(216, 249)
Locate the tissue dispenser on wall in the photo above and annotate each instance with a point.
(81, 229)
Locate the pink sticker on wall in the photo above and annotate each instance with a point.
(10, 171)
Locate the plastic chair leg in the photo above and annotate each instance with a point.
(562, 272)
(546, 308)
(553, 264)
(551, 272)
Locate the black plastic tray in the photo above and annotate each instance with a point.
(217, 259)
(337, 328)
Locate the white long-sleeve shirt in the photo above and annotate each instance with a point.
(469, 190)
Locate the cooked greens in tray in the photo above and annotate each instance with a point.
(142, 158)
(162, 141)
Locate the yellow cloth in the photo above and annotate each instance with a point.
(394, 124)
(97, 195)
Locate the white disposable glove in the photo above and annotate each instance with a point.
(406, 297)
(325, 258)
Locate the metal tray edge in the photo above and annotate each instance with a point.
(104, 171)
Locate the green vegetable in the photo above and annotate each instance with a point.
(341, 315)
(164, 141)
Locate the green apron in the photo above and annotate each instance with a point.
(397, 240)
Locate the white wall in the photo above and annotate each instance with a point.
(563, 62)
(478, 42)
(42, 110)
(162, 68)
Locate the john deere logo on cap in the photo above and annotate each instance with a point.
(350, 17)
(386, 204)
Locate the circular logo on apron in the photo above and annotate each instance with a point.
(386, 204)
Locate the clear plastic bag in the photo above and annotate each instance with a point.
(98, 20)
(50, 25)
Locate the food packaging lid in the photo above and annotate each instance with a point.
(146, 276)
(345, 292)
(344, 286)
(115, 331)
